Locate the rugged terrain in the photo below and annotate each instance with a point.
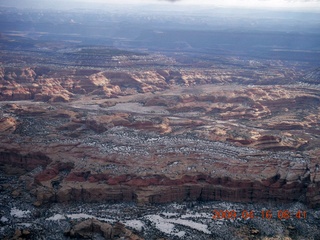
(92, 135)
(160, 136)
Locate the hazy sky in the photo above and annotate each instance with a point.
(287, 4)
(252, 3)
(313, 5)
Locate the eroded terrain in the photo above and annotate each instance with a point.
(172, 141)
(160, 133)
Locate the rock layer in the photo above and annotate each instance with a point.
(205, 142)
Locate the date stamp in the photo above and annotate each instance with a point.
(264, 214)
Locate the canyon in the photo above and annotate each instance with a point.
(158, 137)
(138, 124)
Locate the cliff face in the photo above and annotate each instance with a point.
(255, 180)
(267, 181)
(149, 137)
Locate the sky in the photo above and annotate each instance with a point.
(311, 5)
(237, 3)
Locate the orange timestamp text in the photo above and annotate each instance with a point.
(264, 214)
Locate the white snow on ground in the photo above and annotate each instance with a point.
(197, 215)
(25, 225)
(136, 224)
(180, 234)
(169, 214)
(167, 225)
(226, 205)
(109, 220)
(176, 206)
(58, 217)
(4, 219)
(191, 224)
(164, 225)
(19, 213)
(80, 215)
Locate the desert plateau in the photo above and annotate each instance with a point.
(127, 125)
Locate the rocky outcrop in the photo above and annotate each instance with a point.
(8, 124)
(53, 171)
(88, 227)
(26, 161)
(102, 123)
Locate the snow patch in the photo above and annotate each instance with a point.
(136, 224)
(4, 219)
(19, 213)
(163, 224)
(167, 225)
(56, 217)
(176, 206)
(25, 225)
(197, 215)
(169, 214)
(80, 215)
(191, 224)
